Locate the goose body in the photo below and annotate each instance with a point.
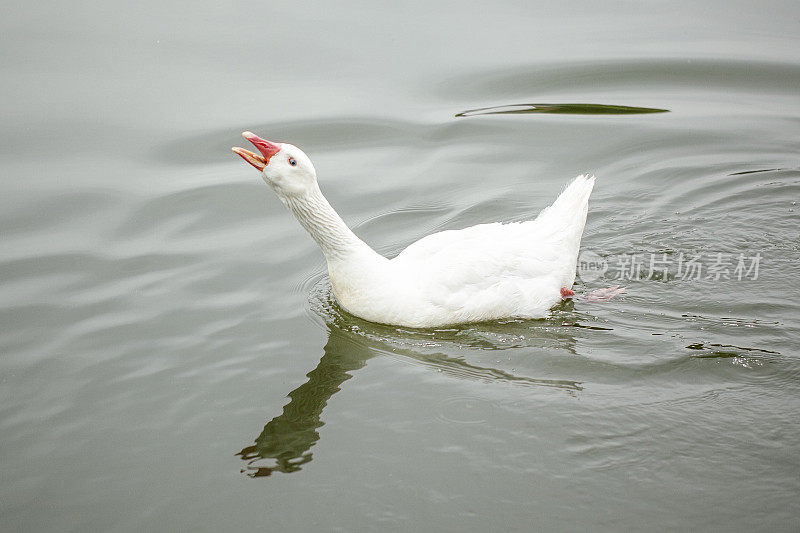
(484, 272)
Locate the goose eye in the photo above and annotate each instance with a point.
(292, 161)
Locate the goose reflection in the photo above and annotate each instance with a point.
(286, 441)
(288, 437)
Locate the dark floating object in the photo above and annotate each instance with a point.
(562, 109)
(756, 171)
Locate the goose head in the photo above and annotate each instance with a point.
(283, 167)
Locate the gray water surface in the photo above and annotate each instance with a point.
(172, 357)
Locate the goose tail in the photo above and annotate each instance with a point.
(565, 220)
(568, 212)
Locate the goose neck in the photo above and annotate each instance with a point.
(324, 224)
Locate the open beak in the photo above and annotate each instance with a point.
(267, 149)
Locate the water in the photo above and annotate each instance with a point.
(172, 357)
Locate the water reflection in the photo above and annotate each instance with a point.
(286, 440)
(695, 76)
(288, 437)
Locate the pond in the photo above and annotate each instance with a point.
(172, 356)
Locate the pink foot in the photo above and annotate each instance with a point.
(566, 293)
(603, 295)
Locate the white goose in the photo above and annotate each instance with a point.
(484, 272)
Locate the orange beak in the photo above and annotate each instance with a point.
(267, 149)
